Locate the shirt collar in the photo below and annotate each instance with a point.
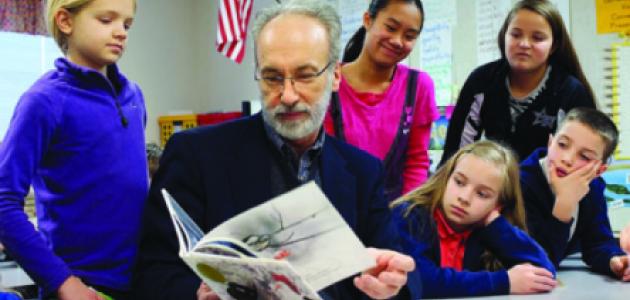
(280, 143)
(445, 231)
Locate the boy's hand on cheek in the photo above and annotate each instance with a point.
(620, 266)
(570, 189)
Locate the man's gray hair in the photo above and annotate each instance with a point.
(318, 9)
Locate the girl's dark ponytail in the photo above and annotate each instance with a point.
(354, 46)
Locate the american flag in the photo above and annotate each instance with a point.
(232, 28)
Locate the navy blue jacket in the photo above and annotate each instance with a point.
(592, 233)
(483, 110)
(508, 244)
(217, 172)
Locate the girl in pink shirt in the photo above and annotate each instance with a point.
(384, 107)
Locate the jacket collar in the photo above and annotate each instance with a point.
(338, 183)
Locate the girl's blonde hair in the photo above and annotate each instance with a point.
(430, 194)
(52, 7)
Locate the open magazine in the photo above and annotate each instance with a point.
(286, 248)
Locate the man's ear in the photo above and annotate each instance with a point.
(63, 19)
(336, 77)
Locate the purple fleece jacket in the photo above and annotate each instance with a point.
(89, 173)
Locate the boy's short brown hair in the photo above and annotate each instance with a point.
(599, 122)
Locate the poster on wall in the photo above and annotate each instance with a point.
(621, 92)
(440, 11)
(490, 17)
(617, 177)
(437, 59)
(438, 136)
(613, 16)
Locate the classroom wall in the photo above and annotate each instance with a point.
(161, 58)
(171, 55)
(223, 84)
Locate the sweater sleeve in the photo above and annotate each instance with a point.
(438, 282)
(513, 246)
(551, 233)
(461, 115)
(31, 131)
(598, 243)
(417, 156)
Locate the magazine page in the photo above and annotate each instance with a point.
(303, 228)
(250, 278)
(188, 233)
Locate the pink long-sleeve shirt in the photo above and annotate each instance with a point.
(371, 121)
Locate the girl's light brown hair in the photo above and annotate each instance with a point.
(430, 194)
(562, 51)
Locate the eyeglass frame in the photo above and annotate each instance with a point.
(281, 86)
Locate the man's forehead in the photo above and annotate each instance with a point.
(291, 48)
(293, 38)
(277, 66)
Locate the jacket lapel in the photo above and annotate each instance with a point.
(338, 183)
(249, 174)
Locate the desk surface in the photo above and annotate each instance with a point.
(577, 283)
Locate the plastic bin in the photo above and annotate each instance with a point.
(172, 124)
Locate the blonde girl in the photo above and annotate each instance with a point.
(77, 136)
(465, 227)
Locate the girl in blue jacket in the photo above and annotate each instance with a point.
(465, 228)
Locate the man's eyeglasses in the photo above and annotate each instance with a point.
(299, 81)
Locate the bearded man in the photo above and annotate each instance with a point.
(218, 172)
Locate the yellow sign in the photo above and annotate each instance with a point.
(613, 16)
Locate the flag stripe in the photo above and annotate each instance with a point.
(234, 17)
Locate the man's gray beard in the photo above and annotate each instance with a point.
(295, 130)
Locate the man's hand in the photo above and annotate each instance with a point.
(619, 266)
(205, 293)
(388, 276)
(570, 189)
(74, 289)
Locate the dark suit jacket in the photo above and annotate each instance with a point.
(217, 172)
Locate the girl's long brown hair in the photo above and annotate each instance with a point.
(562, 53)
